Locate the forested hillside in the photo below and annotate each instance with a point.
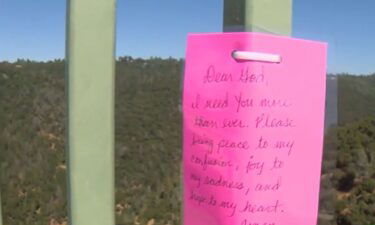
(357, 97)
(148, 145)
(348, 179)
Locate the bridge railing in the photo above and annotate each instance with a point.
(90, 72)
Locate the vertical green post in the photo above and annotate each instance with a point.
(90, 71)
(266, 16)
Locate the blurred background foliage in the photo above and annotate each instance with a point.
(148, 145)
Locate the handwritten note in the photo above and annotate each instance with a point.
(253, 131)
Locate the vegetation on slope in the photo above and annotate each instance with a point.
(148, 145)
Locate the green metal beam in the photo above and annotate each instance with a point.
(90, 56)
(266, 16)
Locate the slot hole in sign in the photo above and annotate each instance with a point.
(256, 56)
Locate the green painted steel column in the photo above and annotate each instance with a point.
(266, 16)
(90, 56)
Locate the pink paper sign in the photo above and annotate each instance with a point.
(253, 131)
